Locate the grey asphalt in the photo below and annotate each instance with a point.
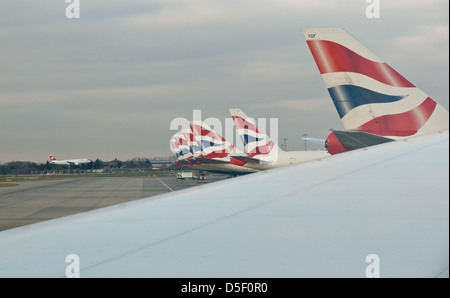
(34, 201)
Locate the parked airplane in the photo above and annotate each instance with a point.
(383, 211)
(375, 103)
(75, 162)
(180, 146)
(261, 152)
(211, 156)
(215, 151)
(175, 148)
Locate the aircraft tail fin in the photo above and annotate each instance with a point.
(52, 158)
(212, 144)
(183, 146)
(255, 141)
(174, 145)
(369, 95)
(193, 145)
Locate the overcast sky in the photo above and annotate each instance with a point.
(107, 85)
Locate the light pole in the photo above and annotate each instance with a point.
(305, 135)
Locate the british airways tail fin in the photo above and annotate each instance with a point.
(193, 145)
(183, 145)
(174, 146)
(212, 144)
(255, 141)
(369, 95)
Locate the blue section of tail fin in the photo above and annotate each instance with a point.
(348, 97)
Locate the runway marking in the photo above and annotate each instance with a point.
(164, 184)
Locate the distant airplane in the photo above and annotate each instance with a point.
(214, 151)
(202, 148)
(183, 153)
(75, 162)
(179, 147)
(205, 150)
(375, 103)
(174, 147)
(194, 147)
(262, 152)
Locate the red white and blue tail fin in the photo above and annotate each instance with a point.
(369, 95)
(255, 141)
(193, 144)
(212, 144)
(175, 148)
(181, 147)
(174, 145)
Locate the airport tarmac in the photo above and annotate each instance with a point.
(38, 200)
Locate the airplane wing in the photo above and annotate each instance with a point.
(321, 218)
(315, 141)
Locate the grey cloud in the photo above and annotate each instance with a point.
(109, 83)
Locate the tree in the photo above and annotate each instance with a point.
(97, 164)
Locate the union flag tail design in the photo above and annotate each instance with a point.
(174, 146)
(193, 145)
(212, 144)
(183, 145)
(369, 95)
(255, 141)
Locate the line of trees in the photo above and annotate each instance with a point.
(27, 167)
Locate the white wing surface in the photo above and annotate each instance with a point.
(320, 218)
